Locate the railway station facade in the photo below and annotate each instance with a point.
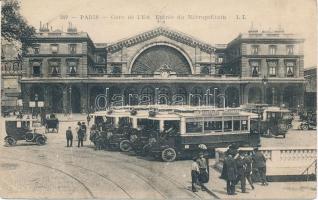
(70, 73)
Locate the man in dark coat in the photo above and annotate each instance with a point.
(69, 137)
(241, 170)
(248, 171)
(80, 136)
(259, 161)
(230, 175)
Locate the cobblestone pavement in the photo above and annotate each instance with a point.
(54, 171)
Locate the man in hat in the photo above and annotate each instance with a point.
(241, 170)
(248, 170)
(69, 137)
(203, 167)
(230, 175)
(195, 174)
(259, 161)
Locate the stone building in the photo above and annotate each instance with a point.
(71, 73)
(310, 97)
(11, 72)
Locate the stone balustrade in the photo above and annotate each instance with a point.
(280, 160)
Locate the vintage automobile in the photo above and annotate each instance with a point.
(114, 129)
(23, 129)
(276, 121)
(52, 124)
(180, 134)
(273, 121)
(310, 123)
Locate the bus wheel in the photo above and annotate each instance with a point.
(168, 155)
(125, 145)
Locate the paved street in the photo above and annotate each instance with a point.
(54, 171)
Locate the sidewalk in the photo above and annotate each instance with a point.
(275, 190)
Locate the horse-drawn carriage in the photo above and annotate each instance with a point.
(23, 129)
(51, 124)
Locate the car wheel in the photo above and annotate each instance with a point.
(10, 141)
(125, 145)
(168, 155)
(40, 141)
(29, 137)
(305, 127)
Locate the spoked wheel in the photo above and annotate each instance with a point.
(168, 155)
(305, 127)
(40, 141)
(10, 141)
(29, 137)
(125, 145)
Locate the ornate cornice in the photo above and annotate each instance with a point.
(174, 35)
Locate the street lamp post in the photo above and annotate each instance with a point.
(264, 81)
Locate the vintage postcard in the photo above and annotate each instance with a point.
(170, 99)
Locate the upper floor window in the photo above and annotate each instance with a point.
(205, 69)
(220, 59)
(54, 48)
(116, 69)
(255, 49)
(72, 67)
(36, 49)
(255, 67)
(272, 50)
(290, 49)
(290, 65)
(36, 68)
(272, 67)
(55, 67)
(72, 48)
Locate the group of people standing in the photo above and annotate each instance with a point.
(81, 133)
(239, 165)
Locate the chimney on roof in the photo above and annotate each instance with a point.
(71, 28)
(252, 29)
(279, 29)
(44, 27)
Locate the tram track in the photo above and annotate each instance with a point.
(145, 179)
(56, 169)
(98, 174)
(135, 172)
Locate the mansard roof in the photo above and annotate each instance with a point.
(172, 34)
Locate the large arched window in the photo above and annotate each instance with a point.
(154, 58)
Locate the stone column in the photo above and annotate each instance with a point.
(47, 100)
(65, 98)
(84, 97)
(26, 90)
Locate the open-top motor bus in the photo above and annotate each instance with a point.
(180, 134)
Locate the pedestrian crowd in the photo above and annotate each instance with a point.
(240, 166)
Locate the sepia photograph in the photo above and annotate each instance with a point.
(170, 99)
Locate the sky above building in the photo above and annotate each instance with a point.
(212, 21)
